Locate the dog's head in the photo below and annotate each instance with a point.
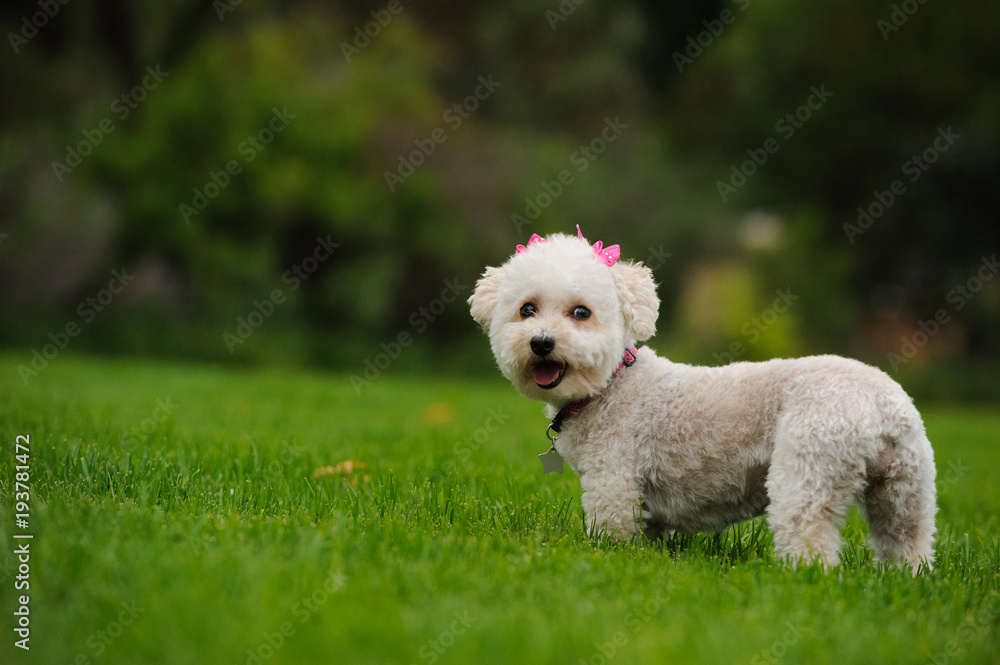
(560, 313)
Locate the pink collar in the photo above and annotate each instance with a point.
(573, 408)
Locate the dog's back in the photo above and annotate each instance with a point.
(799, 438)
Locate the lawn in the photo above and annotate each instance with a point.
(195, 514)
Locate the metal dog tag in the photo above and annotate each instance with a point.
(552, 461)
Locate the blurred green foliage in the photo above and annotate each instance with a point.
(317, 178)
(187, 193)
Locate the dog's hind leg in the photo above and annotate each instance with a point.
(899, 502)
(809, 495)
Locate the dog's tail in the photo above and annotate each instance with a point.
(900, 500)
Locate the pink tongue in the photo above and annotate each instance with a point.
(546, 373)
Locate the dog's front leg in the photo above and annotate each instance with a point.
(612, 504)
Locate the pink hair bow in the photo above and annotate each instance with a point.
(534, 239)
(608, 255)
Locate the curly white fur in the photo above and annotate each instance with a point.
(664, 446)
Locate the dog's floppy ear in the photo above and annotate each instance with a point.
(484, 298)
(637, 294)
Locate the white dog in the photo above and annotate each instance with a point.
(664, 446)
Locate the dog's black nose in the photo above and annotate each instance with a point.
(542, 345)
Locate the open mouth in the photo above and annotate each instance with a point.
(548, 373)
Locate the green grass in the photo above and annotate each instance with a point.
(450, 547)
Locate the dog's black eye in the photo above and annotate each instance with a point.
(528, 309)
(581, 313)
